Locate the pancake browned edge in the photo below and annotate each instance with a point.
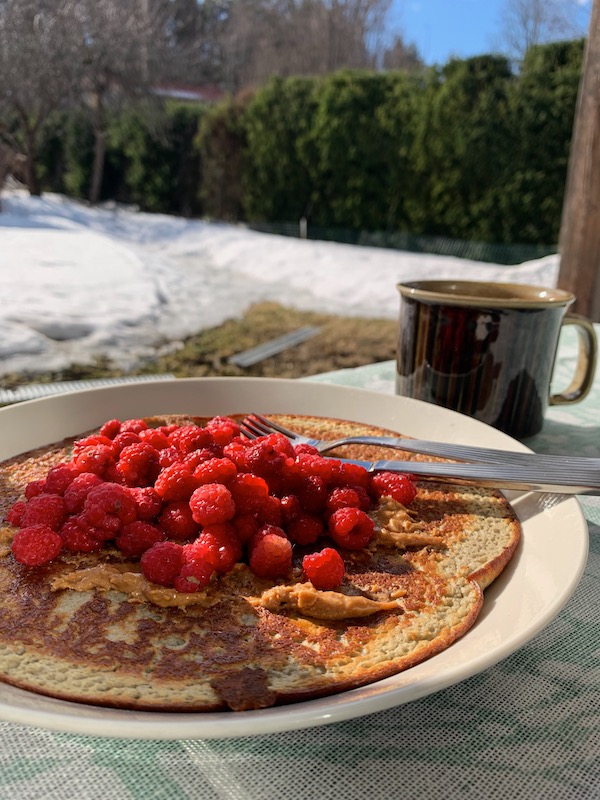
(100, 646)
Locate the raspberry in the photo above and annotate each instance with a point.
(395, 484)
(263, 530)
(80, 537)
(211, 504)
(162, 563)
(245, 525)
(175, 482)
(354, 475)
(15, 513)
(168, 455)
(305, 448)
(193, 576)
(196, 457)
(270, 512)
(190, 437)
(95, 458)
(305, 529)
(281, 444)
(325, 570)
(215, 470)
(36, 545)
(342, 497)
(290, 507)
(133, 426)
(137, 537)
(217, 545)
(176, 520)
(111, 428)
(267, 455)
(312, 494)
(236, 451)
(123, 440)
(44, 509)
(138, 464)
(249, 492)
(155, 438)
(306, 465)
(109, 506)
(168, 429)
(365, 502)
(351, 528)
(34, 488)
(147, 500)
(223, 429)
(270, 553)
(94, 440)
(78, 490)
(59, 478)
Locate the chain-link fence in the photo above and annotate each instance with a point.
(397, 240)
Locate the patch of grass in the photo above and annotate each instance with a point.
(341, 342)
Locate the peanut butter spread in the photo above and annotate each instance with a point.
(123, 578)
(395, 526)
(6, 537)
(311, 602)
(301, 597)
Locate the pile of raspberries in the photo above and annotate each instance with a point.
(190, 502)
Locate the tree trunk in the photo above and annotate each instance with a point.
(31, 172)
(99, 151)
(579, 239)
(98, 168)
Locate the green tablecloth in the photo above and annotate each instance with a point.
(526, 728)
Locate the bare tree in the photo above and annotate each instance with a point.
(399, 55)
(94, 53)
(300, 37)
(113, 42)
(529, 22)
(36, 74)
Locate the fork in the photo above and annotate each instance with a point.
(529, 473)
(255, 425)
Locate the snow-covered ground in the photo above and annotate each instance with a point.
(77, 283)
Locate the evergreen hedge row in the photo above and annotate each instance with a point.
(471, 151)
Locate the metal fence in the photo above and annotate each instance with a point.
(396, 240)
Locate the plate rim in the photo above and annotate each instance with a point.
(33, 709)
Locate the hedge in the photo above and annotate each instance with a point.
(471, 150)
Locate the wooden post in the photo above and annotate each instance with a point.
(579, 239)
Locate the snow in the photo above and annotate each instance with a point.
(79, 282)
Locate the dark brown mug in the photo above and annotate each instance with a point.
(488, 350)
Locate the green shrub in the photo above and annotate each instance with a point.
(541, 112)
(161, 164)
(347, 151)
(277, 122)
(221, 143)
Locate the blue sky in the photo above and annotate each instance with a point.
(462, 28)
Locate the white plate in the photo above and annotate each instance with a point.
(531, 591)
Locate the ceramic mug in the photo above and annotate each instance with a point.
(488, 350)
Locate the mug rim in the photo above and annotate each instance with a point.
(488, 294)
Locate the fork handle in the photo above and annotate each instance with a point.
(483, 455)
(498, 476)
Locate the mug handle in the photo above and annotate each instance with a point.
(586, 362)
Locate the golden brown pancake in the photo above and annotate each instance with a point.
(248, 642)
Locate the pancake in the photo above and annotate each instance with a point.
(88, 627)
(479, 528)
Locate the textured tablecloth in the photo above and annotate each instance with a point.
(527, 728)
